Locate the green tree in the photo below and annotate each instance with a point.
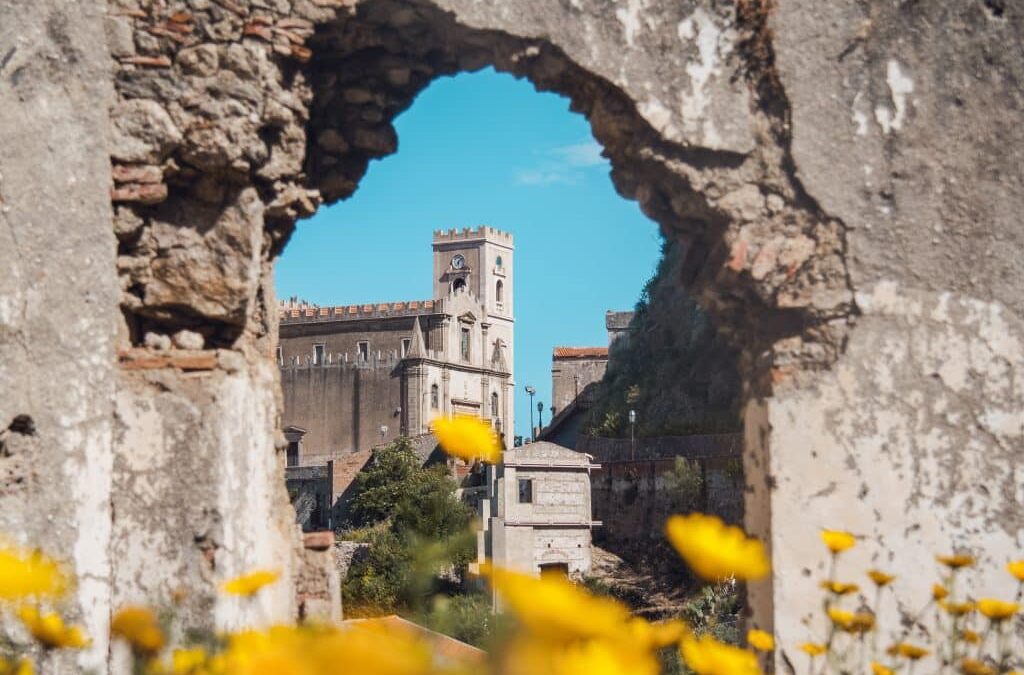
(380, 486)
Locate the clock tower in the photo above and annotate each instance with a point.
(477, 264)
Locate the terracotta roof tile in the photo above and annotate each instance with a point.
(577, 352)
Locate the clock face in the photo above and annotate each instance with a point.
(458, 262)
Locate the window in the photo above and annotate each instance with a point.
(426, 339)
(363, 351)
(465, 344)
(435, 398)
(499, 291)
(406, 344)
(292, 458)
(497, 261)
(280, 356)
(458, 285)
(318, 355)
(494, 405)
(525, 490)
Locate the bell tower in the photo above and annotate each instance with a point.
(479, 262)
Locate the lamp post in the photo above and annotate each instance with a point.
(632, 434)
(540, 414)
(531, 391)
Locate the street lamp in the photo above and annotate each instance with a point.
(531, 391)
(540, 414)
(632, 434)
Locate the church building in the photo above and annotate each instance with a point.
(356, 376)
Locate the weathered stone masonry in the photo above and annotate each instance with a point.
(846, 177)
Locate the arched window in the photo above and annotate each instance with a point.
(497, 261)
(494, 405)
(435, 398)
(499, 291)
(458, 285)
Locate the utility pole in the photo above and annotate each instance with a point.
(540, 414)
(632, 435)
(531, 391)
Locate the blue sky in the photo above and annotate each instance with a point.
(485, 148)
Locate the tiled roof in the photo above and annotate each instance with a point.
(578, 352)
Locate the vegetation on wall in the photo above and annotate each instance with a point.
(673, 370)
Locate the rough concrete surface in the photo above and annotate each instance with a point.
(846, 178)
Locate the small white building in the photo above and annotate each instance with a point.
(536, 512)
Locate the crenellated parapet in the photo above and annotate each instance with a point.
(342, 360)
(471, 233)
(293, 312)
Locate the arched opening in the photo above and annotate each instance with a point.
(754, 249)
(499, 291)
(459, 286)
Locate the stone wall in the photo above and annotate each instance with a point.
(342, 406)
(570, 375)
(846, 178)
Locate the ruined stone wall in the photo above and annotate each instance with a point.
(845, 177)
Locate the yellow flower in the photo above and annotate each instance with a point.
(878, 669)
(837, 541)
(975, 667)
(248, 584)
(533, 655)
(760, 640)
(49, 629)
(468, 438)
(555, 607)
(957, 608)
(22, 667)
(839, 588)
(139, 627)
(708, 656)
(939, 592)
(29, 574)
(859, 622)
(881, 578)
(907, 650)
(656, 635)
(955, 562)
(1016, 568)
(186, 661)
(813, 649)
(715, 550)
(997, 610)
(840, 617)
(970, 636)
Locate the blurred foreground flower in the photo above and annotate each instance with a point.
(976, 667)
(813, 649)
(907, 650)
(708, 656)
(467, 438)
(1016, 568)
(955, 562)
(22, 667)
(49, 629)
(715, 550)
(838, 541)
(760, 640)
(839, 588)
(139, 627)
(248, 584)
(881, 578)
(29, 574)
(997, 610)
(879, 669)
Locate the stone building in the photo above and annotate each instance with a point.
(576, 373)
(359, 375)
(536, 512)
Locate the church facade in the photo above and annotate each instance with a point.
(357, 376)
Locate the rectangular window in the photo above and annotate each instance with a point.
(363, 349)
(426, 338)
(280, 356)
(293, 453)
(318, 355)
(465, 344)
(406, 345)
(525, 490)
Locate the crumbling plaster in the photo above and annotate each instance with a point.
(846, 177)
